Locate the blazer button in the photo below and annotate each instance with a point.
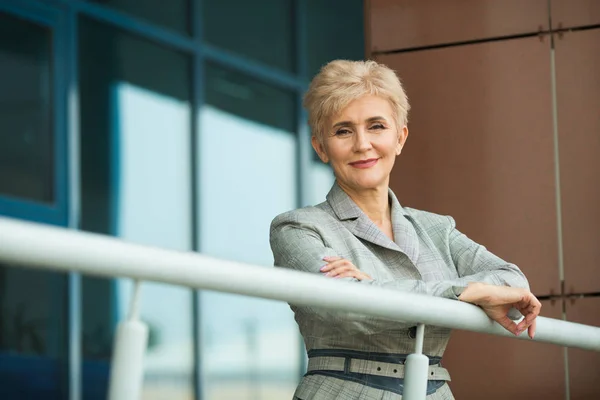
(412, 332)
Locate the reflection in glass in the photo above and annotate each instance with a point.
(260, 31)
(250, 347)
(173, 14)
(32, 334)
(26, 133)
(136, 185)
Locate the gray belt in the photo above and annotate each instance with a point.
(359, 366)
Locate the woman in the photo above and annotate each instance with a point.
(358, 115)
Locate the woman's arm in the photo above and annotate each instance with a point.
(299, 246)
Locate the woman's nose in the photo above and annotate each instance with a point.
(361, 141)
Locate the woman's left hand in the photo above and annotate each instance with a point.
(338, 267)
(496, 301)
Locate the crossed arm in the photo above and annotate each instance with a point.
(484, 279)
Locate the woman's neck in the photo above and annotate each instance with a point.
(373, 202)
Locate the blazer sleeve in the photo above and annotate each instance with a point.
(474, 263)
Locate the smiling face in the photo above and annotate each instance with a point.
(361, 144)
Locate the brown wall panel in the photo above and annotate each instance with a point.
(480, 147)
(401, 24)
(578, 96)
(584, 366)
(492, 367)
(574, 13)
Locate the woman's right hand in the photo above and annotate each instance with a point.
(338, 267)
(497, 301)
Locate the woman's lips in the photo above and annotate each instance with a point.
(364, 163)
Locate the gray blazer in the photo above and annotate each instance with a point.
(429, 255)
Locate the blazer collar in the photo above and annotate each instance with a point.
(357, 222)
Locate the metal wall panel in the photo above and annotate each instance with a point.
(480, 148)
(578, 95)
(401, 24)
(491, 367)
(584, 366)
(574, 13)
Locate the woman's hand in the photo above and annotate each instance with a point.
(338, 267)
(497, 301)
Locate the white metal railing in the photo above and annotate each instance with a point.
(40, 246)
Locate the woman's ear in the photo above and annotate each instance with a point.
(402, 136)
(318, 146)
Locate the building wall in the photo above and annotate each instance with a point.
(504, 137)
(178, 126)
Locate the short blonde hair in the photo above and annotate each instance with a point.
(342, 81)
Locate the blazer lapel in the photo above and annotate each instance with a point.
(405, 235)
(361, 226)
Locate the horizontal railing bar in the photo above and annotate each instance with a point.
(41, 246)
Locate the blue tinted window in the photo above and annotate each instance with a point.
(136, 184)
(33, 334)
(335, 30)
(26, 130)
(262, 31)
(247, 151)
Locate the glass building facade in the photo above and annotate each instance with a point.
(173, 124)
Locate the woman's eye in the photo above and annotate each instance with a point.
(342, 132)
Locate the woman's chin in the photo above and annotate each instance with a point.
(368, 183)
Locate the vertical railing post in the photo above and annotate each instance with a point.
(127, 365)
(416, 370)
